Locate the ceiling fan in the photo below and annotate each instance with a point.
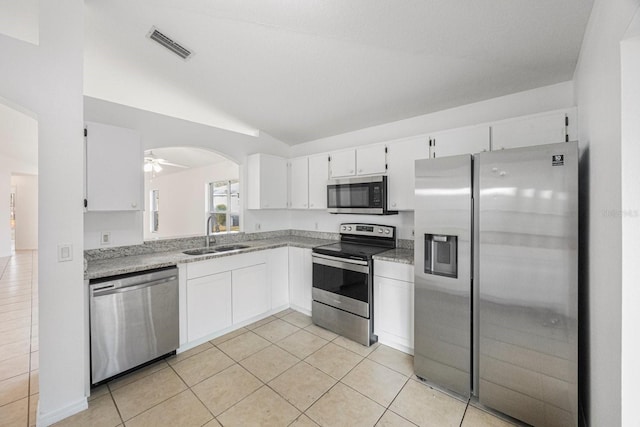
(153, 163)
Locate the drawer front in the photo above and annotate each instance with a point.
(225, 263)
(393, 270)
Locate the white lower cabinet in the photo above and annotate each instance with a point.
(278, 272)
(208, 305)
(393, 304)
(300, 275)
(250, 292)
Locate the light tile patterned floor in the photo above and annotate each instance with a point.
(280, 371)
(18, 339)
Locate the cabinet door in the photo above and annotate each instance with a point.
(114, 175)
(401, 173)
(393, 301)
(532, 130)
(266, 182)
(208, 305)
(250, 292)
(371, 160)
(318, 176)
(278, 265)
(343, 163)
(468, 140)
(299, 180)
(300, 277)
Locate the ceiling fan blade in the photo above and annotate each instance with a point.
(166, 163)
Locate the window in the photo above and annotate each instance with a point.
(154, 201)
(224, 205)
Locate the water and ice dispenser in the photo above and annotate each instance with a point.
(441, 255)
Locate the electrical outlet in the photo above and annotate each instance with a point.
(105, 238)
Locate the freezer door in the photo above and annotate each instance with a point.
(442, 340)
(528, 286)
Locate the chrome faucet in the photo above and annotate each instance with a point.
(208, 240)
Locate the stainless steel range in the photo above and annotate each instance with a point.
(343, 280)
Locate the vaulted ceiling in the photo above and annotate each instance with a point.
(305, 69)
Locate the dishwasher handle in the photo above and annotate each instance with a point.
(112, 289)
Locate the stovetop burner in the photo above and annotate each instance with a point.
(360, 241)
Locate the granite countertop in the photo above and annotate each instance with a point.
(401, 255)
(129, 264)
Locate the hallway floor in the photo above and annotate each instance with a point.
(19, 339)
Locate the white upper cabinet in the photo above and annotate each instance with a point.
(371, 160)
(266, 182)
(299, 180)
(308, 182)
(467, 140)
(547, 128)
(401, 174)
(343, 163)
(318, 176)
(114, 175)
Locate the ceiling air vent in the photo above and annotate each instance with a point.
(169, 43)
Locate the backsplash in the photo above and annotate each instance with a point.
(167, 245)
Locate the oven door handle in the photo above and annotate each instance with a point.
(346, 264)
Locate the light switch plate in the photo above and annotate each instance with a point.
(65, 252)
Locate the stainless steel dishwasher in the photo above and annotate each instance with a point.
(134, 319)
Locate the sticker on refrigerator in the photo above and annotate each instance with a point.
(557, 160)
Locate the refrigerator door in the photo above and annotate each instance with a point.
(528, 282)
(442, 339)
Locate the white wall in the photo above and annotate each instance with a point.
(47, 80)
(183, 199)
(5, 226)
(125, 228)
(26, 211)
(533, 101)
(630, 153)
(598, 97)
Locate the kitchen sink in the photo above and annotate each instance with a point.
(199, 251)
(204, 251)
(230, 248)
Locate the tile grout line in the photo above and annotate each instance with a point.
(466, 408)
(190, 388)
(153, 406)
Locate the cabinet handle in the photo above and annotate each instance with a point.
(311, 205)
(393, 204)
(134, 205)
(304, 205)
(360, 170)
(350, 170)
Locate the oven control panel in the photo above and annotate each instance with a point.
(368, 230)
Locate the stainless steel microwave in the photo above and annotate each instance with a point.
(362, 195)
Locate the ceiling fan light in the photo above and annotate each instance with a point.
(148, 167)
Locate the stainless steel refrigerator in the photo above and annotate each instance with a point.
(496, 279)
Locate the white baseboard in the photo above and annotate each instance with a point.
(52, 417)
(394, 342)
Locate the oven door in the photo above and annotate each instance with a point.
(342, 283)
